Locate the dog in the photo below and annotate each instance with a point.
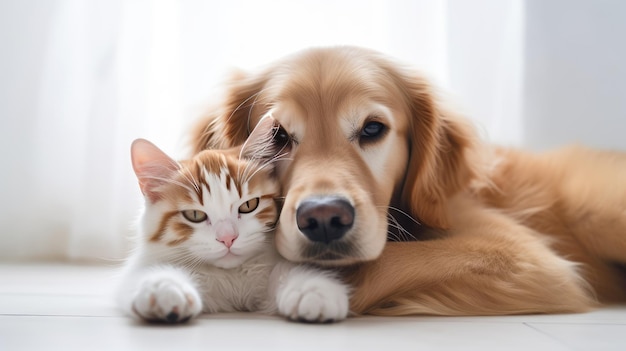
(385, 183)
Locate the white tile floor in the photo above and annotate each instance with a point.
(60, 307)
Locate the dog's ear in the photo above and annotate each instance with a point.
(228, 123)
(438, 163)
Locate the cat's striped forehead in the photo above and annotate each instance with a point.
(222, 172)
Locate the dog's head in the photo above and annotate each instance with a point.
(353, 134)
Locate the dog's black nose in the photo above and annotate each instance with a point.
(325, 218)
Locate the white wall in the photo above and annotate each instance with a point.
(485, 61)
(575, 73)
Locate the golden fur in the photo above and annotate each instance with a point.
(484, 230)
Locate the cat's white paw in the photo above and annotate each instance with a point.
(164, 298)
(313, 298)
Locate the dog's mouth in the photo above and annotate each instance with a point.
(328, 230)
(333, 253)
(328, 224)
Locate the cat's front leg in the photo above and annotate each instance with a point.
(165, 294)
(308, 294)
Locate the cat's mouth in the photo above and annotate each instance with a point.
(230, 254)
(228, 260)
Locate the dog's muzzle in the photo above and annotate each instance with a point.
(324, 219)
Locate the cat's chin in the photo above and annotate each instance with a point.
(229, 261)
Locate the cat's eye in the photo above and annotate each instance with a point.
(194, 216)
(249, 205)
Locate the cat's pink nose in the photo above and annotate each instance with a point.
(225, 232)
(227, 240)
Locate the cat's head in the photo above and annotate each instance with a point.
(218, 207)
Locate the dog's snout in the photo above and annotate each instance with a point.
(324, 219)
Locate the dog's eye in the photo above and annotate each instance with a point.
(281, 139)
(372, 131)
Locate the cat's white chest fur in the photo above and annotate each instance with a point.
(243, 288)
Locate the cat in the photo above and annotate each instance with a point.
(207, 244)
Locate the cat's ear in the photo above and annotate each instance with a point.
(268, 142)
(152, 167)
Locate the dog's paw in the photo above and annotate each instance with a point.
(313, 298)
(166, 298)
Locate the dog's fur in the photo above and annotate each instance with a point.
(444, 224)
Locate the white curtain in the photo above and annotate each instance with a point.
(82, 79)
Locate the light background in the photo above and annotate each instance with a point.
(79, 80)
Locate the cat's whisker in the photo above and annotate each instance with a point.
(188, 260)
(266, 164)
(191, 179)
(279, 157)
(194, 262)
(257, 148)
(256, 100)
(208, 131)
(249, 165)
(243, 104)
(268, 230)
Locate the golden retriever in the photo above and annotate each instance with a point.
(386, 184)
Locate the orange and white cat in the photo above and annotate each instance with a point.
(207, 244)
